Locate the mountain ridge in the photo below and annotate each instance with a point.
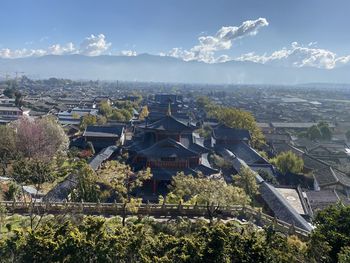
(147, 67)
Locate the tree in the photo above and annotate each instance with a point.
(332, 229)
(88, 189)
(18, 99)
(87, 120)
(117, 115)
(203, 190)
(344, 255)
(105, 109)
(124, 182)
(33, 172)
(246, 179)
(144, 113)
(101, 120)
(236, 118)
(205, 131)
(7, 146)
(326, 132)
(127, 114)
(12, 192)
(3, 213)
(9, 92)
(268, 177)
(204, 103)
(40, 138)
(321, 131)
(99, 240)
(288, 162)
(314, 133)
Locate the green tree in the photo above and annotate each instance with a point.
(326, 132)
(9, 92)
(236, 118)
(332, 229)
(7, 146)
(344, 255)
(87, 120)
(127, 114)
(12, 192)
(117, 115)
(3, 213)
(18, 99)
(144, 112)
(203, 190)
(124, 182)
(32, 172)
(88, 189)
(205, 131)
(246, 180)
(314, 133)
(268, 177)
(105, 109)
(288, 162)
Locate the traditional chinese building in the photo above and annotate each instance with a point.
(169, 146)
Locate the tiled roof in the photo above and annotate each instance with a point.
(113, 131)
(224, 132)
(285, 147)
(162, 174)
(96, 161)
(246, 153)
(319, 200)
(324, 174)
(168, 148)
(280, 206)
(170, 124)
(190, 142)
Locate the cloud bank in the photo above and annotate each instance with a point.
(93, 45)
(299, 56)
(295, 55)
(223, 40)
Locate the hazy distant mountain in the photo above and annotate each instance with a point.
(167, 69)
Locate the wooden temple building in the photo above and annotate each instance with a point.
(169, 146)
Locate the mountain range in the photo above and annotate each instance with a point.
(155, 68)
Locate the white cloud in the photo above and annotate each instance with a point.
(91, 46)
(57, 49)
(20, 53)
(129, 53)
(223, 40)
(94, 45)
(299, 56)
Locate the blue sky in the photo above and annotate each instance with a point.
(158, 26)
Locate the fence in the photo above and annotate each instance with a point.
(154, 210)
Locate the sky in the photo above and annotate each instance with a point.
(290, 33)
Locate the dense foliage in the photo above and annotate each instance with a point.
(98, 240)
(333, 233)
(321, 131)
(232, 117)
(246, 180)
(122, 110)
(288, 162)
(203, 190)
(75, 238)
